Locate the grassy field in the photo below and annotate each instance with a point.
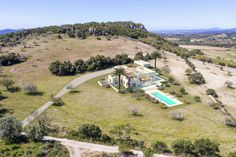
(107, 108)
(41, 51)
(229, 54)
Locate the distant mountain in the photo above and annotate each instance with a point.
(196, 31)
(5, 31)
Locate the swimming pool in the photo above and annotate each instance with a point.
(163, 98)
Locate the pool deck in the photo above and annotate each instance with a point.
(150, 90)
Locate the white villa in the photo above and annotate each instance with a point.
(139, 76)
(136, 76)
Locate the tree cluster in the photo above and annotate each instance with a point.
(182, 147)
(196, 78)
(96, 63)
(129, 29)
(11, 58)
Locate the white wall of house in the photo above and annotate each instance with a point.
(143, 63)
(135, 82)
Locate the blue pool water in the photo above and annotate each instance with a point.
(164, 98)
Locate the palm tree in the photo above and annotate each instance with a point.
(156, 55)
(118, 72)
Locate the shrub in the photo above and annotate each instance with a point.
(106, 139)
(211, 92)
(57, 101)
(163, 106)
(161, 87)
(221, 63)
(167, 84)
(177, 116)
(182, 91)
(196, 52)
(31, 89)
(187, 102)
(230, 122)
(89, 131)
(214, 105)
(7, 83)
(171, 79)
(179, 95)
(148, 152)
(188, 71)
(197, 99)
(183, 147)
(159, 147)
(196, 78)
(141, 144)
(176, 84)
(134, 111)
(229, 84)
(206, 147)
(59, 37)
(172, 92)
(10, 129)
(108, 37)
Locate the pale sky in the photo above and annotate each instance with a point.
(154, 14)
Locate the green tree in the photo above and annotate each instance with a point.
(62, 68)
(122, 134)
(7, 83)
(36, 133)
(40, 128)
(90, 131)
(10, 129)
(118, 72)
(80, 66)
(156, 55)
(206, 147)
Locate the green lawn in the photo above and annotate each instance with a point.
(107, 108)
(23, 105)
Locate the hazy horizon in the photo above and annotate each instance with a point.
(155, 15)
